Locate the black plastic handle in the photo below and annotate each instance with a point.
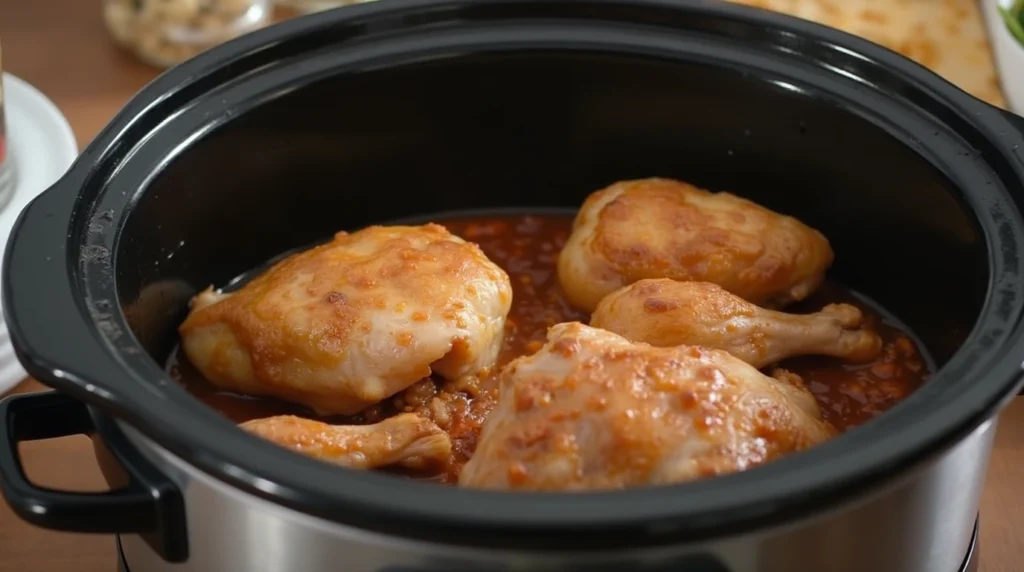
(150, 504)
(1018, 122)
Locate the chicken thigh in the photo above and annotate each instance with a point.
(665, 312)
(346, 324)
(407, 440)
(661, 228)
(592, 410)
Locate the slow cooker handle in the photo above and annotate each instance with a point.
(57, 338)
(1018, 122)
(150, 505)
(1017, 147)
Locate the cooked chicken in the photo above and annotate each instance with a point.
(660, 228)
(592, 410)
(344, 325)
(407, 440)
(666, 313)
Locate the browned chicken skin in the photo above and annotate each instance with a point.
(592, 410)
(407, 440)
(665, 312)
(661, 228)
(341, 326)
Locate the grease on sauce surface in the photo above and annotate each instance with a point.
(527, 248)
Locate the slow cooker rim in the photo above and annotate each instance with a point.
(1006, 375)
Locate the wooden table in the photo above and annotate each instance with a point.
(61, 47)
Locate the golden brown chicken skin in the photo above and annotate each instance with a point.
(406, 440)
(661, 228)
(666, 313)
(591, 410)
(344, 325)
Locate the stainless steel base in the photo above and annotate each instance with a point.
(970, 560)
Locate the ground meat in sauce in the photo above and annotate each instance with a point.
(527, 248)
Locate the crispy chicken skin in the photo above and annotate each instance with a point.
(665, 313)
(407, 440)
(592, 410)
(661, 228)
(346, 324)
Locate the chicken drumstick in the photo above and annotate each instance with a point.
(668, 313)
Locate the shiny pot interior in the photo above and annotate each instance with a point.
(409, 108)
(545, 129)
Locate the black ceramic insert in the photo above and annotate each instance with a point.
(408, 107)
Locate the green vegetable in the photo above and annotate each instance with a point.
(1014, 16)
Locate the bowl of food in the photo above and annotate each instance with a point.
(436, 285)
(1005, 22)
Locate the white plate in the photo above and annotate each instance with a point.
(1008, 52)
(41, 147)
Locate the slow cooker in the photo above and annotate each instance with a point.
(404, 108)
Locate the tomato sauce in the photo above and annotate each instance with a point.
(527, 247)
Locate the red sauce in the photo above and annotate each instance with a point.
(527, 248)
(850, 395)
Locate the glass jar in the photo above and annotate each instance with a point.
(310, 6)
(6, 165)
(167, 32)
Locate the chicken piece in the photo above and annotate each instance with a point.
(665, 313)
(407, 440)
(592, 410)
(341, 326)
(660, 228)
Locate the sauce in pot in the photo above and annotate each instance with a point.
(527, 248)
